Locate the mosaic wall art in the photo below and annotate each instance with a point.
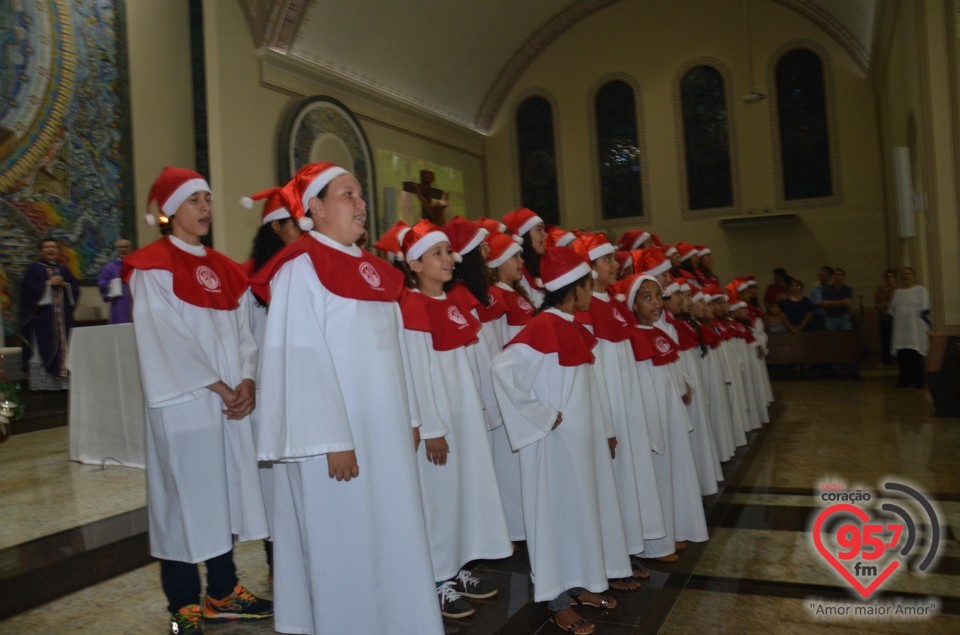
(64, 136)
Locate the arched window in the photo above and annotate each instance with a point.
(706, 139)
(537, 155)
(804, 129)
(618, 151)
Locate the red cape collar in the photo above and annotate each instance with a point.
(653, 344)
(210, 281)
(450, 325)
(550, 333)
(611, 319)
(514, 305)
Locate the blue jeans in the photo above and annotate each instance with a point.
(839, 323)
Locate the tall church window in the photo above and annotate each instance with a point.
(804, 132)
(706, 139)
(618, 151)
(537, 157)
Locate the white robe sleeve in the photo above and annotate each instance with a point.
(486, 350)
(603, 400)
(249, 353)
(299, 385)
(413, 407)
(173, 366)
(422, 371)
(527, 419)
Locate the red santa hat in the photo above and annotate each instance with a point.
(751, 281)
(632, 239)
(560, 266)
(686, 251)
(684, 284)
(492, 225)
(668, 250)
(624, 259)
(464, 235)
(520, 221)
(558, 236)
(421, 238)
(306, 184)
(713, 292)
(502, 248)
(596, 245)
(171, 189)
(390, 241)
(703, 250)
(276, 207)
(671, 288)
(697, 296)
(650, 262)
(626, 289)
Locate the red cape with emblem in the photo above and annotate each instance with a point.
(742, 331)
(688, 337)
(651, 343)
(365, 277)
(211, 281)
(518, 310)
(447, 322)
(724, 331)
(548, 333)
(611, 321)
(460, 294)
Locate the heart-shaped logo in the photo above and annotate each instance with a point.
(862, 543)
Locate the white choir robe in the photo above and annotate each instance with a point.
(755, 373)
(485, 351)
(349, 557)
(572, 514)
(505, 459)
(701, 436)
(760, 335)
(461, 500)
(258, 323)
(676, 468)
(739, 416)
(713, 371)
(536, 295)
(738, 349)
(909, 329)
(202, 484)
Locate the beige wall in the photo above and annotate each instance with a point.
(161, 102)
(650, 42)
(918, 106)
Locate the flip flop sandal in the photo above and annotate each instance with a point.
(606, 602)
(573, 627)
(639, 573)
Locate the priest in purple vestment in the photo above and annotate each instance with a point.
(113, 290)
(48, 297)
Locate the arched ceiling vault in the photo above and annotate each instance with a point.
(416, 52)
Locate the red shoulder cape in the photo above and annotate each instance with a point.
(612, 321)
(548, 333)
(518, 310)
(653, 344)
(365, 277)
(211, 281)
(460, 294)
(709, 335)
(449, 325)
(687, 336)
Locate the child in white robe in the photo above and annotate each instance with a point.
(666, 396)
(351, 552)
(529, 227)
(612, 323)
(550, 403)
(198, 361)
(513, 311)
(461, 501)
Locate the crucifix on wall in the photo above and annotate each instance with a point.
(433, 201)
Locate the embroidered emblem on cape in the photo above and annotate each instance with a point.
(456, 316)
(208, 278)
(523, 304)
(662, 344)
(618, 316)
(369, 273)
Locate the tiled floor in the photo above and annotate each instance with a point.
(759, 572)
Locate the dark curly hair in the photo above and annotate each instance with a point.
(475, 274)
(531, 259)
(265, 244)
(558, 297)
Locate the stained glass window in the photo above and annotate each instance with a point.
(706, 139)
(618, 151)
(536, 151)
(804, 132)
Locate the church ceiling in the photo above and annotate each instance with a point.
(418, 51)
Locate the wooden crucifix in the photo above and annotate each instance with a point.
(433, 201)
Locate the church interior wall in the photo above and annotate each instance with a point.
(651, 42)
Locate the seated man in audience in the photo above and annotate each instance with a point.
(816, 298)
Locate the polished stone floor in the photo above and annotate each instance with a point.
(758, 573)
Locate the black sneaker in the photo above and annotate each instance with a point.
(452, 604)
(186, 621)
(239, 605)
(472, 587)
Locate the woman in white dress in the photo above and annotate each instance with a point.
(910, 309)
